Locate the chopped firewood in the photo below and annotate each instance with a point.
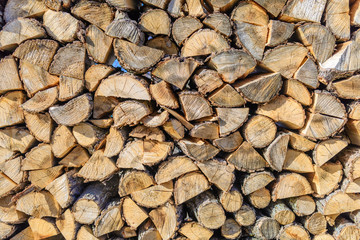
(41, 101)
(39, 157)
(62, 141)
(325, 150)
(12, 169)
(265, 228)
(97, 168)
(18, 31)
(95, 74)
(89, 136)
(302, 206)
(85, 233)
(198, 149)
(206, 130)
(133, 214)
(289, 231)
(229, 143)
(207, 210)
(221, 6)
(194, 105)
(11, 112)
(156, 120)
(195, 231)
(69, 61)
(103, 106)
(123, 5)
(347, 88)
(155, 21)
(231, 200)
(231, 229)
(115, 142)
(298, 91)
(9, 79)
(318, 39)
(245, 216)
(300, 143)
(19, 8)
(98, 44)
(165, 219)
(184, 27)
(131, 155)
(256, 181)
(281, 213)
(73, 112)
(175, 8)
(195, 8)
(260, 198)
(43, 228)
(228, 122)
(42, 177)
(204, 42)
(8, 212)
(274, 8)
(61, 26)
(219, 173)
(279, 32)
(16, 139)
(189, 186)
(345, 229)
(134, 180)
(338, 202)
(130, 112)
(323, 236)
(232, 64)
(156, 3)
(295, 11)
(297, 161)
(67, 225)
(148, 133)
(260, 88)
(140, 62)
(284, 110)
(69, 88)
(38, 52)
(316, 223)
(92, 200)
(219, 22)
(174, 128)
(277, 59)
(38, 204)
(102, 123)
(99, 14)
(7, 185)
(176, 71)
(25, 234)
(260, 131)
(179, 117)
(246, 158)
(163, 43)
(76, 158)
(338, 18)
(110, 219)
(124, 86)
(290, 185)
(307, 74)
(354, 14)
(173, 168)
(65, 188)
(250, 21)
(124, 28)
(226, 96)
(35, 78)
(148, 231)
(163, 94)
(352, 129)
(349, 157)
(207, 80)
(275, 153)
(57, 5)
(351, 186)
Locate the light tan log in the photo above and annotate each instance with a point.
(231, 229)
(228, 122)
(293, 232)
(62, 141)
(337, 14)
(302, 206)
(297, 90)
(198, 149)
(133, 214)
(110, 219)
(153, 196)
(43, 177)
(316, 223)
(189, 186)
(290, 185)
(16, 139)
(297, 161)
(219, 22)
(246, 216)
(166, 220)
(299, 11)
(307, 74)
(231, 200)
(260, 198)
(11, 112)
(43, 228)
(98, 45)
(19, 8)
(194, 230)
(95, 74)
(8, 212)
(279, 31)
(41, 101)
(9, 75)
(345, 229)
(39, 157)
(67, 225)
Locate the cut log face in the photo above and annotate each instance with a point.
(130, 112)
(346, 88)
(327, 149)
(338, 18)
(256, 181)
(40, 157)
(132, 181)
(338, 202)
(165, 220)
(204, 42)
(307, 74)
(198, 149)
(275, 153)
(11, 112)
(279, 32)
(245, 216)
(191, 230)
(290, 185)
(189, 186)
(297, 161)
(184, 27)
(194, 105)
(18, 31)
(8, 212)
(155, 21)
(207, 80)
(98, 45)
(176, 71)
(29, 8)
(110, 219)
(227, 123)
(144, 59)
(298, 11)
(40, 125)
(133, 214)
(260, 131)
(95, 74)
(16, 139)
(41, 101)
(289, 231)
(219, 22)
(229, 143)
(62, 141)
(232, 64)
(61, 25)
(9, 75)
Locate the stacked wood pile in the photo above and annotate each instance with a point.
(180, 119)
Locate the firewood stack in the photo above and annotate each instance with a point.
(180, 119)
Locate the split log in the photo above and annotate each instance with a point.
(156, 120)
(18, 31)
(175, 8)
(134, 180)
(346, 88)
(174, 128)
(280, 212)
(62, 141)
(196, 8)
(323, 236)
(163, 94)
(231, 229)
(241, 64)
(337, 14)
(325, 150)
(43, 228)
(297, 161)
(300, 143)
(92, 200)
(85, 233)
(298, 11)
(133, 214)
(207, 80)
(11, 112)
(294, 232)
(279, 32)
(153, 196)
(6, 230)
(338, 202)
(194, 230)
(30, 8)
(57, 5)
(16, 139)
(227, 122)
(123, 5)
(98, 45)
(37, 52)
(222, 6)
(155, 21)
(207, 210)
(303, 205)
(144, 59)
(189, 186)
(148, 133)
(256, 181)
(206, 130)
(95, 74)
(231, 200)
(103, 106)
(148, 231)
(290, 185)
(61, 26)
(42, 177)
(73, 112)
(110, 219)
(307, 74)
(163, 43)
(229, 143)
(246, 216)
(41, 101)
(260, 131)
(345, 229)
(198, 149)
(315, 224)
(265, 228)
(67, 225)
(295, 89)
(275, 153)
(8, 212)
(9, 75)
(39, 157)
(166, 220)
(219, 22)
(176, 71)
(260, 198)
(99, 14)
(89, 136)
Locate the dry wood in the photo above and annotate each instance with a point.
(316, 223)
(290, 185)
(207, 80)
(67, 225)
(345, 229)
(42, 177)
(9, 75)
(134, 180)
(307, 74)
(153, 196)
(39, 157)
(98, 45)
(295, 11)
(275, 153)
(281, 213)
(155, 21)
(18, 31)
(110, 219)
(206, 130)
(227, 123)
(231, 200)
(265, 228)
(198, 149)
(229, 143)
(16, 139)
(337, 14)
(295, 89)
(8, 212)
(133, 214)
(43, 228)
(260, 198)
(219, 173)
(303, 205)
(279, 32)
(163, 43)
(246, 216)
(189, 186)
(165, 219)
(231, 229)
(57, 5)
(41, 101)
(194, 230)
(338, 202)
(29, 8)
(256, 181)
(219, 22)
(260, 131)
(297, 161)
(346, 88)
(85, 233)
(294, 232)
(76, 158)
